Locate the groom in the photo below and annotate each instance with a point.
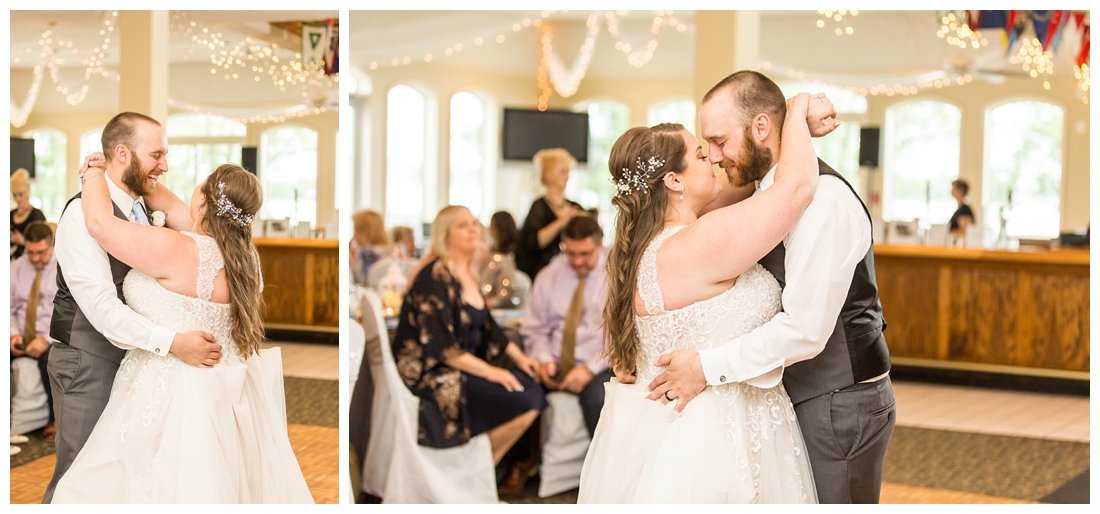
(827, 344)
(91, 323)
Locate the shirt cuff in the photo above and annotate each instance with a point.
(716, 367)
(160, 341)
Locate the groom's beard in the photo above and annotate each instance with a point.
(752, 164)
(136, 180)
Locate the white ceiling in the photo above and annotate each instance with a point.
(885, 47)
(75, 36)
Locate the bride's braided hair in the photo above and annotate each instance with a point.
(242, 261)
(641, 217)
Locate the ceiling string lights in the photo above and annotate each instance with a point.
(566, 81)
(454, 49)
(1084, 82)
(51, 58)
(958, 33)
(842, 20)
(880, 89)
(1033, 59)
(641, 56)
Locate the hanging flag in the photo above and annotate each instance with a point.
(1083, 55)
(332, 49)
(313, 44)
(1014, 26)
(990, 20)
(1079, 18)
(1058, 24)
(1041, 21)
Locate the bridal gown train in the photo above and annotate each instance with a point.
(733, 443)
(174, 433)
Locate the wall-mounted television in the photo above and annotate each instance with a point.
(22, 155)
(526, 131)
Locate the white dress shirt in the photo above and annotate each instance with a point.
(87, 272)
(822, 251)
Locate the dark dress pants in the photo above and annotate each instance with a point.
(846, 434)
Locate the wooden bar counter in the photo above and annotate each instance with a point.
(302, 281)
(1024, 312)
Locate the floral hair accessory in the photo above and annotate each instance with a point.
(226, 208)
(634, 180)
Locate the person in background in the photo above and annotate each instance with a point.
(404, 243)
(369, 243)
(964, 216)
(33, 286)
(449, 351)
(540, 238)
(505, 286)
(563, 321)
(23, 214)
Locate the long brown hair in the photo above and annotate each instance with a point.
(641, 217)
(242, 261)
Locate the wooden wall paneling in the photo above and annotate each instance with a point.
(1061, 315)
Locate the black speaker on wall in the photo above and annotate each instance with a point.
(248, 159)
(869, 138)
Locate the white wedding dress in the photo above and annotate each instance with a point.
(733, 443)
(174, 433)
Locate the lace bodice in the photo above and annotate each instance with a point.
(751, 301)
(181, 313)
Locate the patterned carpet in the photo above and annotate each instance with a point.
(308, 402)
(931, 466)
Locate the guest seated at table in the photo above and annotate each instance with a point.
(563, 321)
(404, 243)
(33, 286)
(450, 352)
(369, 243)
(505, 286)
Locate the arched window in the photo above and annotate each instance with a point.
(840, 149)
(921, 158)
(1023, 170)
(90, 142)
(405, 152)
(468, 160)
(197, 145)
(673, 111)
(591, 185)
(288, 173)
(48, 188)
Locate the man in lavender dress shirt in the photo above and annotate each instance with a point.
(545, 319)
(33, 339)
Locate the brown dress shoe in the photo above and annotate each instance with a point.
(50, 432)
(517, 478)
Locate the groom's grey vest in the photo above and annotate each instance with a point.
(69, 324)
(856, 350)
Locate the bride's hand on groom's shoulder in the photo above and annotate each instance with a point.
(94, 164)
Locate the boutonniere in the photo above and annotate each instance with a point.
(157, 218)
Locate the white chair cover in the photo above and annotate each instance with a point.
(564, 444)
(30, 408)
(399, 470)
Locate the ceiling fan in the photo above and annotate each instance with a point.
(958, 66)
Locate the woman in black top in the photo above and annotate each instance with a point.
(447, 345)
(964, 216)
(540, 237)
(24, 213)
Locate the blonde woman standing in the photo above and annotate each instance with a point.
(24, 213)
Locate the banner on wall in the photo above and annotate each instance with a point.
(314, 43)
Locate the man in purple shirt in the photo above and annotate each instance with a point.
(31, 338)
(565, 308)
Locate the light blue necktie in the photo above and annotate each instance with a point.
(139, 214)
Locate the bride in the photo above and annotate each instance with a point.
(681, 280)
(173, 433)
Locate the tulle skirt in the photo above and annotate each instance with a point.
(173, 433)
(731, 444)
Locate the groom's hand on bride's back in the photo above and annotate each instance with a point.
(682, 380)
(197, 348)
